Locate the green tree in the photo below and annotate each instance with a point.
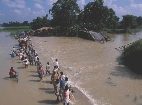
(36, 23)
(45, 21)
(97, 17)
(139, 21)
(129, 22)
(64, 14)
(40, 22)
(112, 20)
(25, 23)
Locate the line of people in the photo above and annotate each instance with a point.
(62, 87)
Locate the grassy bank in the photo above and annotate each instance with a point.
(132, 57)
(15, 30)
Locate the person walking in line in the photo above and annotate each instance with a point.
(14, 50)
(66, 96)
(48, 68)
(54, 76)
(38, 67)
(57, 89)
(31, 59)
(55, 69)
(12, 54)
(26, 62)
(62, 76)
(57, 63)
(68, 84)
(41, 73)
(36, 60)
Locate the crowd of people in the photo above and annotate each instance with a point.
(28, 55)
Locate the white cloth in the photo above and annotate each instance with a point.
(62, 77)
(20, 55)
(36, 59)
(66, 98)
(68, 83)
(47, 67)
(14, 49)
(57, 64)
(26, 61)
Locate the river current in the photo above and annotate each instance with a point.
(91, 66)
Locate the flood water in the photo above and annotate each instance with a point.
(91, 66)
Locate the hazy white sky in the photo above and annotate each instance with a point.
(27, 10)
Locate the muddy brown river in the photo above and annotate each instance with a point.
(92, 67)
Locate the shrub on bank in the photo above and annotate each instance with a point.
(132, 56)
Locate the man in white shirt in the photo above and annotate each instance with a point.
(48, 68)
(57, 63)
(36, 60)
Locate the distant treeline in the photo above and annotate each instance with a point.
(10, 24)
(68, 18)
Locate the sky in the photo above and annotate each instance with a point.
(27, 10)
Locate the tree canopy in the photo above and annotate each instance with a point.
(64, 13)
(96, 16)
(68, 18)
(40, 22)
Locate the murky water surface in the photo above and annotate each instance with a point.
(91, 66)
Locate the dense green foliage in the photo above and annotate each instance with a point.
(68, 19)
(129, 22)
(97, 17)
(132, 56)
(40, 22)
(64, 14)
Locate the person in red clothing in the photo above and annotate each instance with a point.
(12, 72)
(41, 73)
